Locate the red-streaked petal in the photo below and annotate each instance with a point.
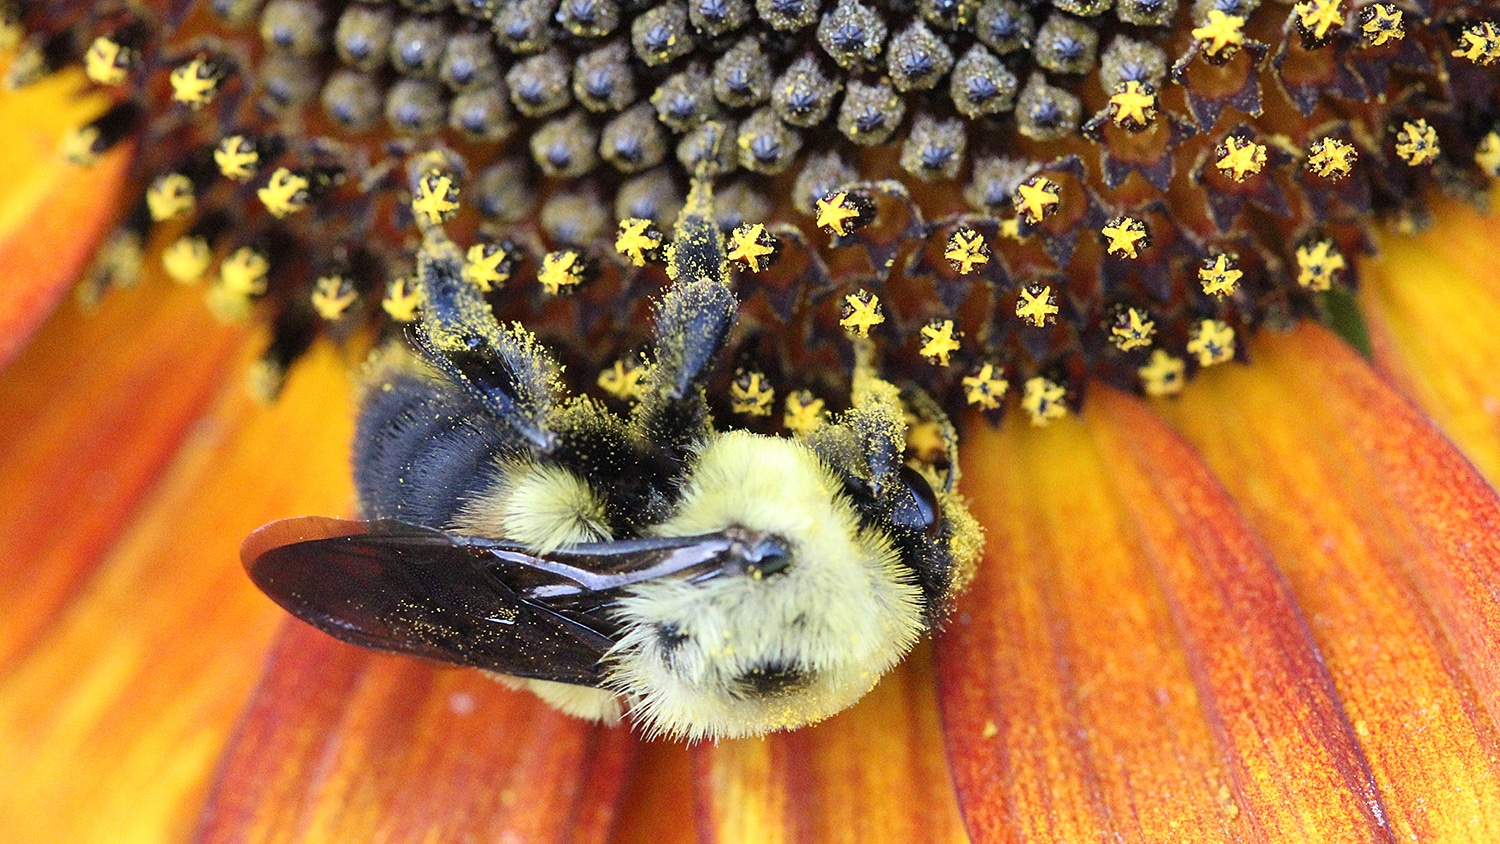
(1433, 310)
(342, 744)
(874, 773)
(111, 723)
(93, 411)
(1128, 662)
(1391, 543)
(657, 805)
(52, 213)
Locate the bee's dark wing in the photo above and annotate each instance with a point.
(412, 590)
(479, 602)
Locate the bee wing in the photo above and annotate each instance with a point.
(413, 590)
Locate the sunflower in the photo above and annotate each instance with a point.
(1260, 606)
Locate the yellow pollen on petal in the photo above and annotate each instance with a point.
(402, 299)
(562, 270)
(966, 250)
(106, 62)
(638, 240)
(803, 412)
(1037, 199)
(1382, 23)
(186, 259)
(1162, 375)
(1133, 329)
(486, 266)
(623, 379)
(1240, 158)
(1125, 237)
(1318, 17)
(1318, 263)
(170, 196)
(1133, 105)
(194, 83)
(940, 342)
(750, 244)
(1487, 153)
(1331, 158)
(1480, 44)
(1220, 34)
(436, 199)
(838, 213)
(861, 312)
(79, 146)
(1212, 341)
(1044, 400)
(1220, 275)
(285, 194)
(244, 272)
(986, 388)
(750, 395)
(237, 158)
(1417, 143)
(1036, 305)
(332, 296)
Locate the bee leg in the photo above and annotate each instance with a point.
(693, 320)
(504, 368)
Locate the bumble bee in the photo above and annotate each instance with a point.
(711, 583)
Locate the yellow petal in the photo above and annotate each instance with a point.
(1390, 542)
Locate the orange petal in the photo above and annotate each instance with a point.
(52, 213)
(342, 744)
(1433, 310)
(112, 721)
(1127, 662)
(94, 410)
(1390, 542)
(874, 773)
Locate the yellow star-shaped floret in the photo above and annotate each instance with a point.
(436, 199)
(1037, 199)
(751, 245)
(237, 158)
(486, 266)
(80, 146)
(244, 272)
(861, 312)
(939, 342)
(106, 62)
(966, 250)
(333, 295)
(1044, 400)
(286, 193)
(1125, 237)
(194, 83)
(1417, 143)
(1010, 227)
(186, 259)
(803, 412)
(402, 299)
(1382, 23)
(1240, 158)
(1132, 329)
(749, 395)
(1319, 17)
(1318, 264)
(925, 440)
(1487, 153)
(562, 270)
(1162, 375)
(1331, 158)
(1220, 34)
(1133, 105)
(170, 196)
(986, 388)
(1479, 44)
(1219, 275)
(623, 379)
(1036, 305)
(1212, 341)
(639, 240)
(839, 213)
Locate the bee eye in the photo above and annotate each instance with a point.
(922, 514)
